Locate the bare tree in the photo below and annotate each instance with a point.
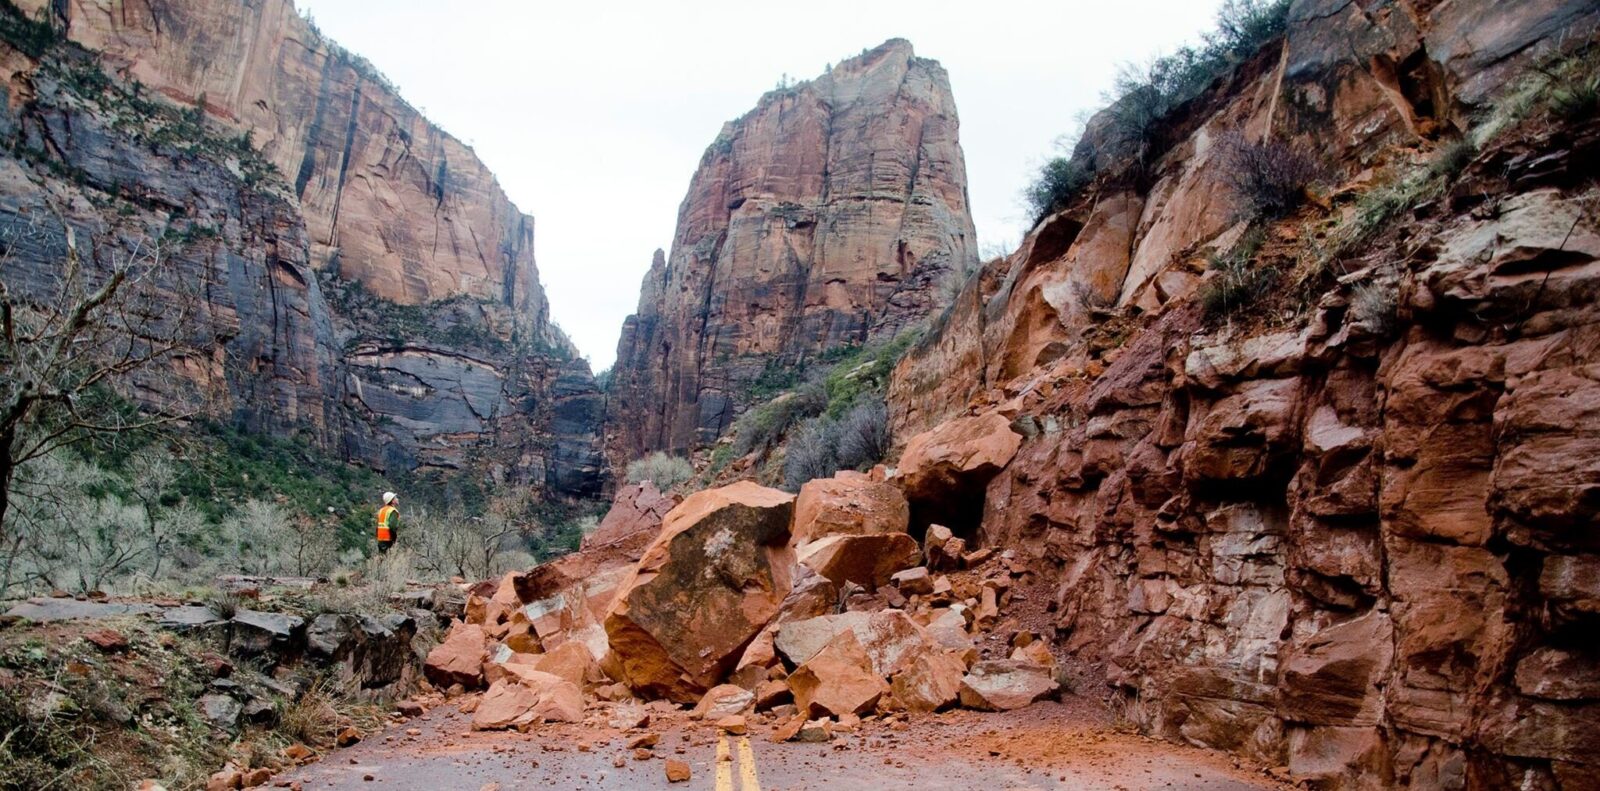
(152, 478)
(311, 546)
(471, 546)
(65, 345)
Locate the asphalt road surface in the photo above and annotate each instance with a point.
(1047, 746)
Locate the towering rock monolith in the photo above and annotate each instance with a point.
(828, 216)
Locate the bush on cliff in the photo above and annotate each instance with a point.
(663, 470)
(1143, 96)
(1058, 182)
(763, 426)
(856, 439)
(1240, 281)
(1268, 178)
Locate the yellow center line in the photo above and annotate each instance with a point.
(724, 766)
(747, 766)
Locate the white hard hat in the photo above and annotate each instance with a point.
(388, 497)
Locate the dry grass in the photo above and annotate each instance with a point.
(312, 718)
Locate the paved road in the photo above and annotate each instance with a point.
(1045, 748)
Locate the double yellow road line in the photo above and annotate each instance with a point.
(747, 766)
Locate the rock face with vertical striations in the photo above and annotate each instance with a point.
(825, 217)
(368, 285)
(1346, 529)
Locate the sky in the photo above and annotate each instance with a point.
(593, 115)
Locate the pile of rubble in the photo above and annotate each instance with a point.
(809, 612)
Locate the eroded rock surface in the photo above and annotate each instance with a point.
(719, 570)
(365, 264)
(827, 216)
(1347, 540)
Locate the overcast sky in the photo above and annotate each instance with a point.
(594, 115)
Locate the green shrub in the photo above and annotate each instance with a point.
(33, 37)
(1240, 283)
(1142, 97)
(1576, 102)
(661, 469)
(761, 427)
(1058, 182)
(866, 369)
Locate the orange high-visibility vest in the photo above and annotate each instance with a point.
(385, 514)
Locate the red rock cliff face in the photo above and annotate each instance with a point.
(390, 200)
(827, 216)
(1352, 542)
(367, 285)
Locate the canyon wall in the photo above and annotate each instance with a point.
(1346, 529)
(366, 283)
(826, 217)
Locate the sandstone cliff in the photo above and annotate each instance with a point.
(1341, 529)
(367, 284)
(827, 216)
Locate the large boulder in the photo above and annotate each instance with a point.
(848, 506)
(526, 697)
(256, 633)
(494, 668)
(811, 596)
(573, 661)
(713, 578)
(868, 561)
(930, 681)
(955, 453)
(1004, 684)
(943, 471)
(634, 519)
(724, 700)
(798, 641)
(948, 628)
(459, 659)
(889, 637)
(839, 680)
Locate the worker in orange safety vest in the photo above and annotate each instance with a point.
(388, 521)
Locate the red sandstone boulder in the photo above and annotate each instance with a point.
(1004, 684)
(634, 519)
(848, 506)
(913, 582)
(938, 547)
(724, 700)
(459, 659)
(811, 596)
(798, 641)
(705, 587)
(571, 661)
(948, 628)
(957, 454)
(930, 681)
(839, 680)
(525, 698)
(869, 561)
(889, 637)
(494, 668)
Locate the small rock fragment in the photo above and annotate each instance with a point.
(677, 771)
